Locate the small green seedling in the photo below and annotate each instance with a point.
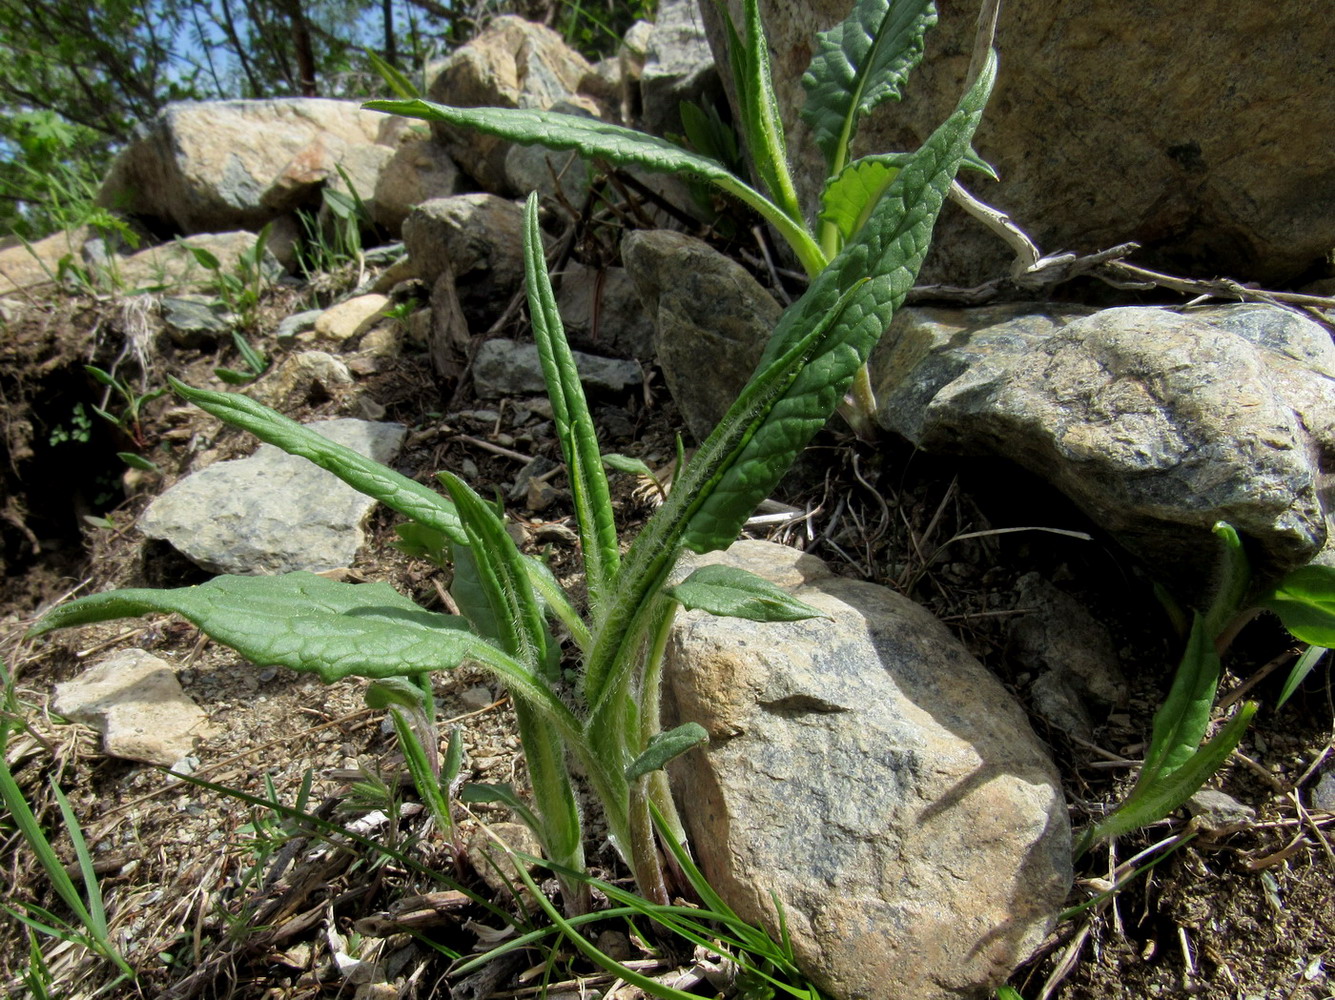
(517, 621)
(130, 419)
(1179, 759)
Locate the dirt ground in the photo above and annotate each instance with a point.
(211, 896)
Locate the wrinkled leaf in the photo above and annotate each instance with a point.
(1305, 603)
(731, 592)
(400, 691)
(205, 258)
(875, 270)
(860, 63)
(233, 377)
(570, 412)
(1233, 580)
(420, 542)
(665, 747)
(300, 621)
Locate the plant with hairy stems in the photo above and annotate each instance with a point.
(858, 65)
(512, 605)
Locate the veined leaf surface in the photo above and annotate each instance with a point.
(875, 270)
(298, 620)
(736, 593)
(1305, 603)
(860, 63)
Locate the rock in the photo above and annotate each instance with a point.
(193, 321)
(624, 328)
(490, 860)
(479, 239)
(1094, 151)
(1156, 423)
(290, 326)
(1323, 795)
(557, 176)
(512, 64)
(303, 372)
(351, 317)
(214, 165)
(38, 263)
(869, 772)
(271, 512)
(712, 318)
(1060, 639)
(174, 266)
(135, 701)
(508, 368)
(678, 66)
(419, 171)
(476, 698)
(1218, 813)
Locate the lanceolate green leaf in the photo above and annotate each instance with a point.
(1181, 721)
(850, 196)
(735, 593)
(760, 114)
(809, 363)
(298, 620)
(665, 747)
(570, 411)
(1305, 603)
(1151, 801)
(860, 63)
(515, 614)
(397, 492)
(620, 146)
(875, 270)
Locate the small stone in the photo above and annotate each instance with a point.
(304, 371)
(350, 318)
(508, 368)
(489, 859)
(1323, 795)
(134, 699)
(476, 698)
(1218, 813)
(194, 322)
(290, 326)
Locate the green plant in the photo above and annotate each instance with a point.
(130, 419)
(239, 291)
(89, 926)
(511, 602)
(1179, 760)
(255, 361)
(80, 428)
(859, 64)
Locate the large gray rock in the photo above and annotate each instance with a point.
(1096, 128)
(479, 240)
(1156, 423)
(871, 774)
(272, 512)
(214, 165)
(713, 320)
(37, 263)
(512, 64)
(678, 65)
(602, 310)
(419, 171)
